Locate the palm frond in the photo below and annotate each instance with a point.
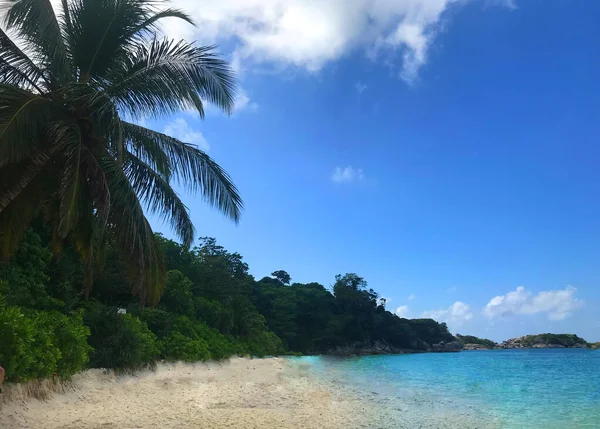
(159, 197)
(27, 171)
(149, 26)
(167, 77)
(101, 33)
(193, 168)
(36, 24)
(133, 234)
(22, 207)
(70, 192)
(97, 185)
(16, 68)
(23, 117)
(149, 151)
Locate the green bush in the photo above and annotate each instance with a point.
(180, 347)
(160, 322)
(219, 346)
(265, 343)
(214, 314)
(70, 336)
(120, 341)
(470, 339)
(41, 344)
(188, 340)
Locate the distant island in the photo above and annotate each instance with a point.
(539, 341)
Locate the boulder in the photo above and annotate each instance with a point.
(475, 347)
(449, 347)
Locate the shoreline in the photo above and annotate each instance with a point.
(249, 393)
(269, 393)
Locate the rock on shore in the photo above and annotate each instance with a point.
(476, 347)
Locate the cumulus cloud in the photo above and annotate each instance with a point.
(180, 129)
(402, 311)
(311, 33)
(347, 174)
(243, 101)
(556, 304)
(455, 315)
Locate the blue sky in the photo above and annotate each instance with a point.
(447, 151)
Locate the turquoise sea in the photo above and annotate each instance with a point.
(508, 389)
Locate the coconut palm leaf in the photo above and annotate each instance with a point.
(16, 68)
(165, 77)
(191, 167)
(36, 24)
(66, 155)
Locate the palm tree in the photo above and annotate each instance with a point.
(68, 82)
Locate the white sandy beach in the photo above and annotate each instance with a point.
(241, 393)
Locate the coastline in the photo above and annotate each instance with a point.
(248, 393)
(283, 393)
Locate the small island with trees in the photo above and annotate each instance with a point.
(539, 341)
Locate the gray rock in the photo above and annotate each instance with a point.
(450, 347)
(475, 347)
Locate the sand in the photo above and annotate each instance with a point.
(240, 393)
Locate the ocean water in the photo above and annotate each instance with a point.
(507, 389)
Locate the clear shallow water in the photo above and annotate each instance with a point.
(508, 389)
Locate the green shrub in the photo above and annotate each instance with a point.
(180, 347)
(120, 341)
(185, 339)
(219, 346)
(470, 339)
(70, 336)
(41, 344)
(265, 343)
(214, 314)
(16, 336)
(160, 322)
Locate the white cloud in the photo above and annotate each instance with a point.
(360, 87)
(402, 311)
(180, 129)
(510, 4)
(556, 304)
(312, 33)
(411, 297)
(455, 315)
(347, 174)
(243, 102)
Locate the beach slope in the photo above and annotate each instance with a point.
(240, 393)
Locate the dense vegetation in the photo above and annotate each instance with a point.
(470, 339)
(212, 308)
(566, 340)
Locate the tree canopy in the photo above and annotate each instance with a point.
(212, 308)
